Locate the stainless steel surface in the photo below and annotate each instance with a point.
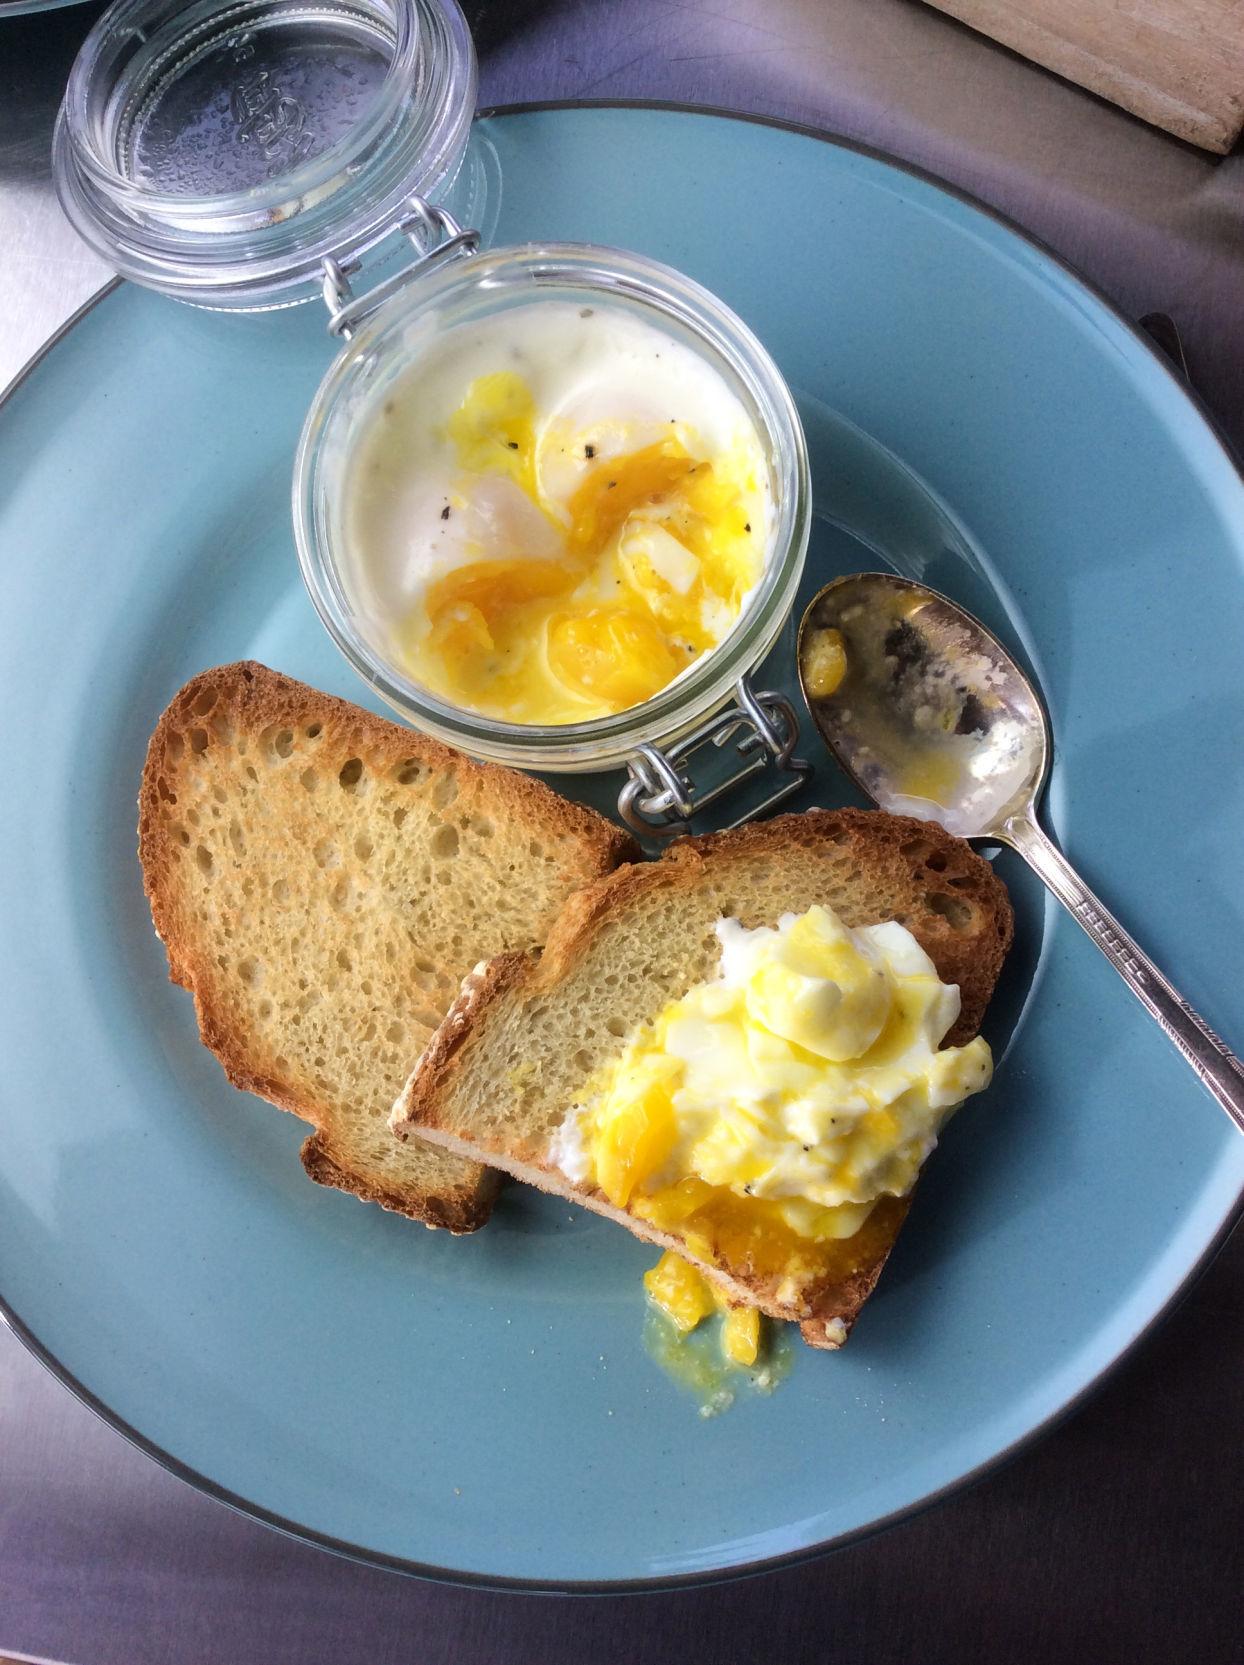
(1115, 1539)
(934, 718)
(1217, 1066)
(661, 795)
(435, 237)
(47, 272)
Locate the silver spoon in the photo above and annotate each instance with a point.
(931, 717)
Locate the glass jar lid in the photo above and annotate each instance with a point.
(220, 151)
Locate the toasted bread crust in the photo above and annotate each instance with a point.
(949, 897)
(458, 1211)
(244, 720)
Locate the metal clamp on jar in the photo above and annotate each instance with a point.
(250, 156)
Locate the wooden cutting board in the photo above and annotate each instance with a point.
(1177, 63)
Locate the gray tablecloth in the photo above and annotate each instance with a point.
(1116, 1538)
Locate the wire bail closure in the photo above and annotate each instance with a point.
(660, 796)
(434, 235)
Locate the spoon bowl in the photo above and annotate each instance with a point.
(922, 707)
(931, 717)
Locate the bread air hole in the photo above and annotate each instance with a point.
(204, 858)
(237, 838)
(283, 745)
(204, 702)
(198, 740)
(445, 791)
(280, 890)
(957, 913)
(363, 847)
(444, 843)
(314, 730)
(310, 780)
(399, 815)
(409, 772)
(250, 972)
(350, 778)
(326, 853)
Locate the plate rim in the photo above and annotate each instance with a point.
(700, 1578)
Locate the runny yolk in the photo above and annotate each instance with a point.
(677, 1289)
(656, 548)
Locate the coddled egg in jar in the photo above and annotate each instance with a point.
(553, 512)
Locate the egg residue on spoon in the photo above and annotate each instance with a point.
(553, 512)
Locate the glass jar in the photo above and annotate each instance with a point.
(250, 154)
(464, 290)
(220, 152)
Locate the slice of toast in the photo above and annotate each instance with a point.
(322, 880)
(523, 1037)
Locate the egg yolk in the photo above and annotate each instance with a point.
(777, 1117)
(653, 551)
(678, 1290)
(824, 663)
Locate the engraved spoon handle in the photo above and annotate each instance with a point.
(1217, 1066)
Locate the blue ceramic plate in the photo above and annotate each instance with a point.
(485, 1408)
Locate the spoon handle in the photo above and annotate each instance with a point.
(1217, 1066)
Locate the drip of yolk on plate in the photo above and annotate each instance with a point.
(678, 1290)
